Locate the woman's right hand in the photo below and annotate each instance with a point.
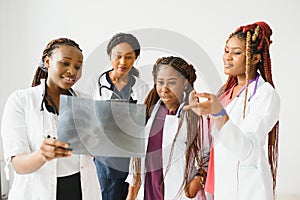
(30, 162)
(52, 148)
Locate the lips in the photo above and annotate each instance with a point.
(165, 98)
(123, 68)
(69, 80)
(228, 65)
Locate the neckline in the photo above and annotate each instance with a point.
(255, 87)
(250, 81)
(229, 92)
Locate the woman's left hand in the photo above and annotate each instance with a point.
(211, 106)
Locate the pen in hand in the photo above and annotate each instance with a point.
(52, 148)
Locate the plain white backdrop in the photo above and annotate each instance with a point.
(27, 26)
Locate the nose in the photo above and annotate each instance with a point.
(164, 88)
(123, 60)
(227, 56)
(71, 70)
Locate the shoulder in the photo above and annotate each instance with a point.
(24, 98)
(26, 93)
(138, 79)
(140, 84)
(266, 95)
(155, 108)
(266, 89)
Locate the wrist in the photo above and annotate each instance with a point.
(41, 156)
(222, 113)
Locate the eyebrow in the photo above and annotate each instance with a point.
(233, 47)
(129, 52)
(71, 59)
(167, 79)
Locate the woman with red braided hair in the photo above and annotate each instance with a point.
(246, 115)
(177, 141)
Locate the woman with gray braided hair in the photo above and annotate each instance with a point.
(44, 167)
(246, 115)
(177, 141)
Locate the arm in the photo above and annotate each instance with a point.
(211, 106)
(16, 145)
(133, 179)
(197, 183)
(247, 137)
(27, 163)
(30, 162)
(249, 134)
(130, 195)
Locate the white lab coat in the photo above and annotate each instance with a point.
(23, 128)
(175, 174)
(242, 170)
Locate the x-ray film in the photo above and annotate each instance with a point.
(102, 128)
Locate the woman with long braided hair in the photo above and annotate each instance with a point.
(246, 118)
(44, 167)
(176, 145)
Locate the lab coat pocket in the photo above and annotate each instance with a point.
(250, 175)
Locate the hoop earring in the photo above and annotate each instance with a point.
(183, 96)
(136, 61)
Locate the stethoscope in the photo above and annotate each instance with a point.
(101, 86)
(46, 96)
(255, 87)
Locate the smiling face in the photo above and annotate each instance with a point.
(64, 67)
(122, 58)
(170, 86)
(234, 57)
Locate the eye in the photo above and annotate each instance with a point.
(172, 83)
(66, 64)
(77, 68)
(160, 83)
(117, 56)
(129, 57)
(237, 53)
(226, 51)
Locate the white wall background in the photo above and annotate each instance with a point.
(27, 26)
